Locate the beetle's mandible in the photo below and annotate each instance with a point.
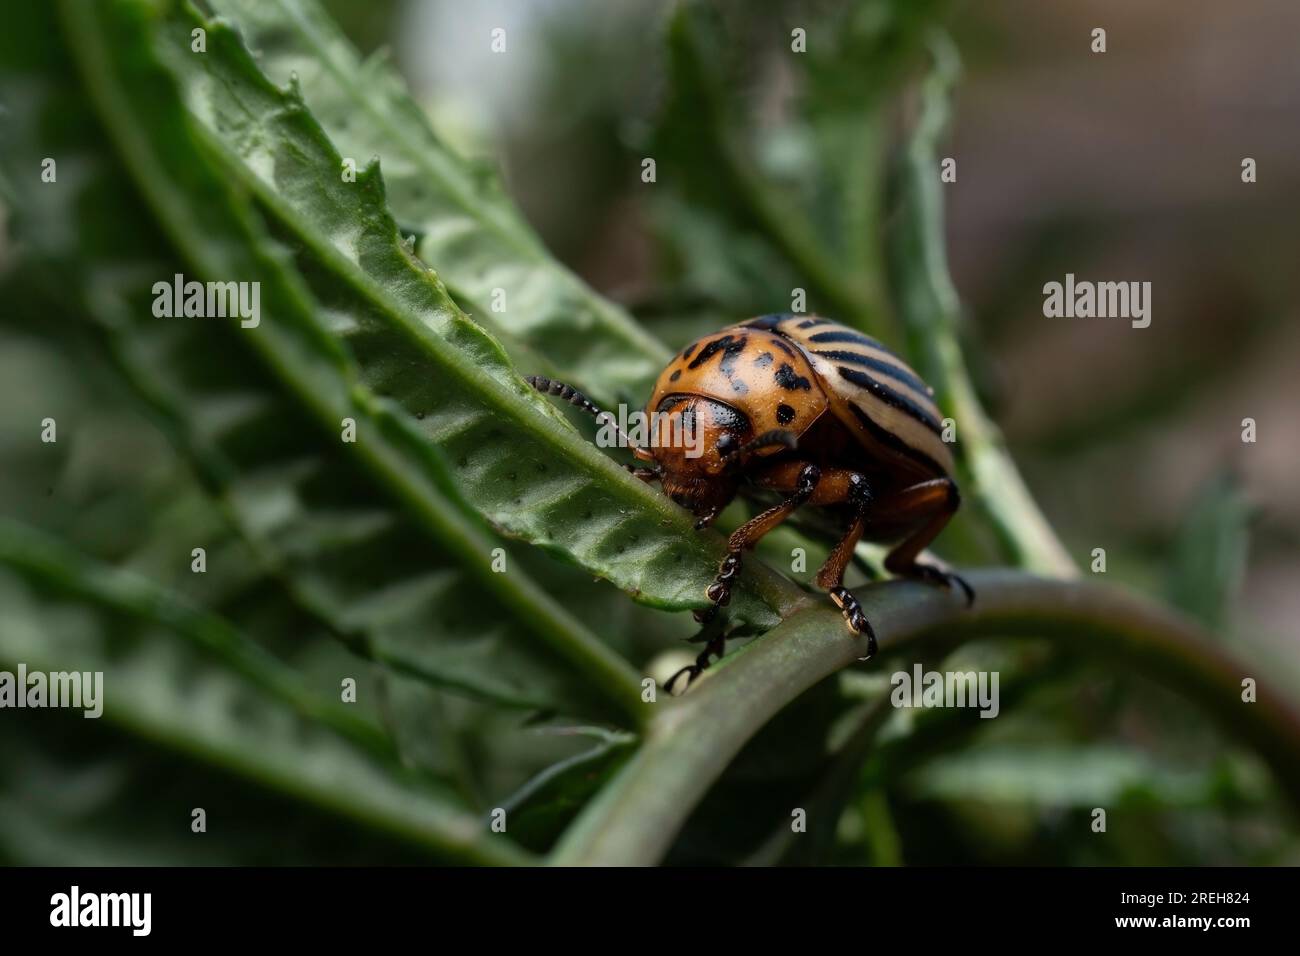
(819, 413)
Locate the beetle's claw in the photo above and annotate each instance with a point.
(854, 618)
(717, 644)
(692, 670)
(965, 586)
(719, 594)
(704, 521)
(928, 572)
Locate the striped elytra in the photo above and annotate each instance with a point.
(790, 371)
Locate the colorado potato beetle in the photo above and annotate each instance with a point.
(823, 415)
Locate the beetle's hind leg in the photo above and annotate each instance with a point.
(938, 499)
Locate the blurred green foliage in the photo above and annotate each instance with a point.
(478, 691)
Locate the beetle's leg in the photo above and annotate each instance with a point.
(645, 474)
(935, 501)
(748, 535)
(831, 575)
(704, 520)
(716, 646)
(782, 437)
(837, 486)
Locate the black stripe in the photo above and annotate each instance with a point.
(857, 338)
(890, 397)
(813, 323)
(887, 369)
(788, 379)
(769, 322)
(728, 346)
(890, 440)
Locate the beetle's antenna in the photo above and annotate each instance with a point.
(575, 398)
(777, 436)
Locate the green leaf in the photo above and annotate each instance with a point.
(46, 562)
(1078, 776)
(472, 233)
(144, 512)
(85, 793)
(541, 809)
(114, 489)
(268, 440)
(467, 227)
(790, 172)
(513, 457)
(212, 695)
(1209, 555)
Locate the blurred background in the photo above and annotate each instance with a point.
(1122, 166)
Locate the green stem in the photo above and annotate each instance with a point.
(930, 312)
(691, 740)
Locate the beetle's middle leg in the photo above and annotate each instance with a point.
(850, 488)
(835, 486)
(749, 533)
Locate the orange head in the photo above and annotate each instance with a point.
(693, 443)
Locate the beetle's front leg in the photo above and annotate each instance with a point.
(706, 519)
(716, 646)
(749, 534)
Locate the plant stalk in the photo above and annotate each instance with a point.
(930, 312)
(690, 742)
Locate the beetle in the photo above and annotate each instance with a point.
(821, 414)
